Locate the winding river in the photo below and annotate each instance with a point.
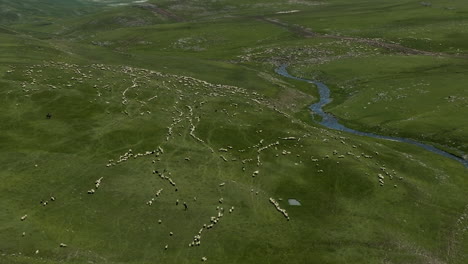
(330, 121)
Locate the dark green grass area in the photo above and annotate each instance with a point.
(197, 86)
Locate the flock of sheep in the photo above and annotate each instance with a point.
(260, 147)
(390, 175)
(277, 206)
(129, 154)
(213, 221)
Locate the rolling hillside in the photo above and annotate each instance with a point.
(159, 132)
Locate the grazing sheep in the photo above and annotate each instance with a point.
(98, 182)
(204, 259)
(283, 211)
(63, 245)
(171, 182)
(24, 217)
(92, 191)
(159, 192)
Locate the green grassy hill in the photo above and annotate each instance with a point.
(164, 103)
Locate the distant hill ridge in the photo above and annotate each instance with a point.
(13, 11)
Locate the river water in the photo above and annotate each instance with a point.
(332, 122)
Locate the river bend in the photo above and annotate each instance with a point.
(332, 122)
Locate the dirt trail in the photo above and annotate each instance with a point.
(372, 42)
